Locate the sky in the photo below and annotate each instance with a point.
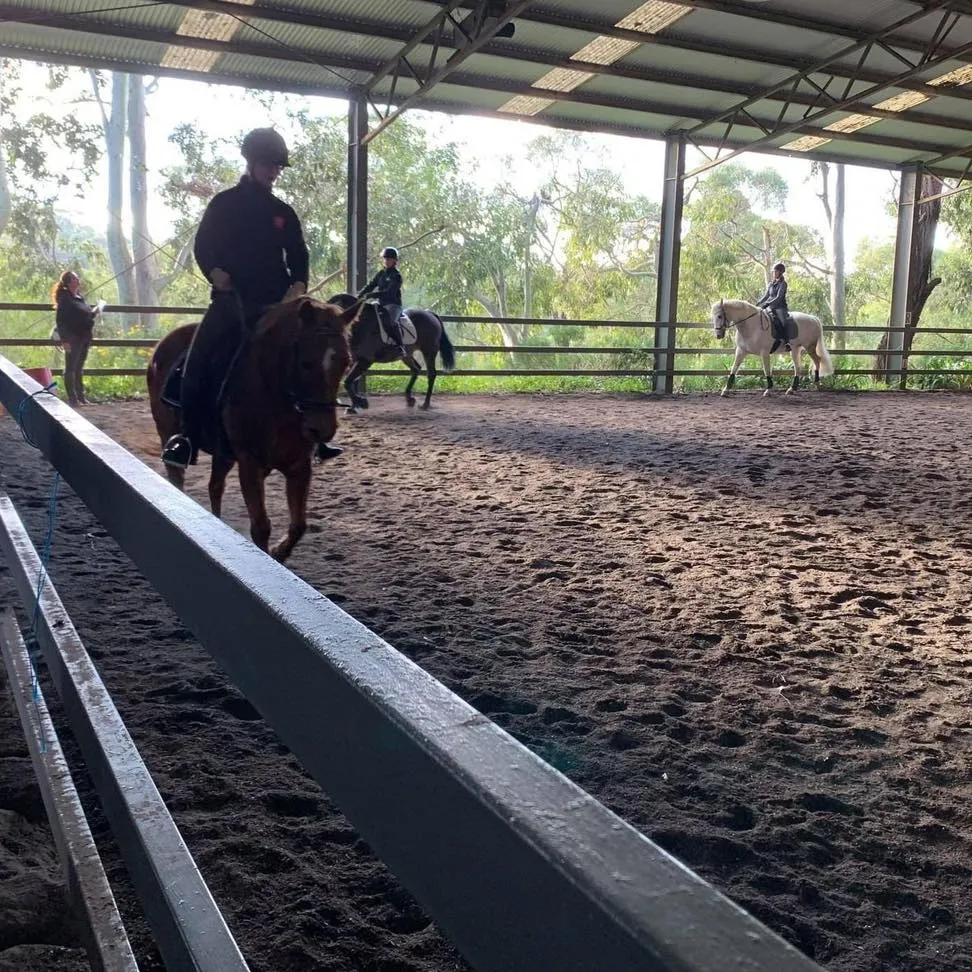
(488, 143)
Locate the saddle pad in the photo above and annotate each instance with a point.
(409, 334)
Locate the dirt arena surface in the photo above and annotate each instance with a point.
(742, 624)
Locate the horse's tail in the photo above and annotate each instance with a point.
(826, 365)
(446, 349)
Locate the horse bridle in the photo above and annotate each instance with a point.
(302, 404)
(727, 324)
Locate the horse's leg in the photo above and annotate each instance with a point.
(217, 482)
(796, 355)
(812, 351)
(351, 385)
(413, 366)
(737, 361)
(176, 476)
(252, 478)
(430, 357)
(298, 486)
(767, 372)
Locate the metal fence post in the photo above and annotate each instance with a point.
(669, 255)
(900, 315)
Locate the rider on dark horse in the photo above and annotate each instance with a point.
(386, 285)
(774, 300)
(250, 247)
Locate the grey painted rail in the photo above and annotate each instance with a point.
(105, 939)
(522, 869)
(186, 924)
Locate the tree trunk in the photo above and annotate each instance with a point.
(113, 125)
(529, 231)
(921, 283)
(146, 267)
(5, 201)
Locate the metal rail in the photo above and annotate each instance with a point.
(105, 939)
(518, 865)
(187, 925)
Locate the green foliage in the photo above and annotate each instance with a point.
(576, 245)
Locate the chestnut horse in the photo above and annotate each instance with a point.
(280, 402)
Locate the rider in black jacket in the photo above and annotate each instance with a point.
(250, 246)
(774, 300)
(386, 285)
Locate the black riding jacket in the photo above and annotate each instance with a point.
(775, 297)
(256, 238)
(74, 318)
(386, 285)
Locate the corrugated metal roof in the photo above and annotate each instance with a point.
(885, 81)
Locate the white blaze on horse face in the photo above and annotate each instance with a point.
(328, 361)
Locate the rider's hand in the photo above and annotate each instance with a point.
(221, 279)
(295, 290)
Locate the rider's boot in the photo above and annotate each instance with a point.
(327, 451)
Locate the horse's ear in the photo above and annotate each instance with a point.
(306, 313)
(348, 317)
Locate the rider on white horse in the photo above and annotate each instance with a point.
(774, 300)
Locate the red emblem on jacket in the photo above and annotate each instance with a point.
(280, 222)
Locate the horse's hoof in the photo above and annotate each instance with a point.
(425, 406)
(363, 403)
(766, 393)
(724, 392)
(410, 402)
(353, 410)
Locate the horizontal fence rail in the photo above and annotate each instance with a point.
(103, 932)
(187, 926)
(523, 869)
(649, 362)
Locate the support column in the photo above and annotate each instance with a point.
(357, 234)
(900, 312)
(669, 256)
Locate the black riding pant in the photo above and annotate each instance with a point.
(76, 350)
(392, 313)
(211, 353)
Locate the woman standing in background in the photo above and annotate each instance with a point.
(74, 322)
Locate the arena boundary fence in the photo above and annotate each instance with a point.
(521, 868)
(186, 923)
(662, 371)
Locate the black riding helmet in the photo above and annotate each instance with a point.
(389, 252)
(265, 145)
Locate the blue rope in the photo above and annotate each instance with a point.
(33, 647)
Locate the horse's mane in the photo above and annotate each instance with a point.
(741, 305)
(286, 311)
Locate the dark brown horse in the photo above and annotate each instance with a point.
(280, 402)
(368, 346)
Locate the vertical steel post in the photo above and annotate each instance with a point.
(669, 255)
(357, 275)
(900, 312)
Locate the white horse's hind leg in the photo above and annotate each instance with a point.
(796, 353)
(767, 372)
(731, 380)
(815, 358)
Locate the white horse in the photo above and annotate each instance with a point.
(754, 335)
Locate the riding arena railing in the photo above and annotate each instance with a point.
(653, 361)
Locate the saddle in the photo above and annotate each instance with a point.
(214, 437)
(783, 331)
(409, 334)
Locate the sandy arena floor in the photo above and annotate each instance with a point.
(741, 624)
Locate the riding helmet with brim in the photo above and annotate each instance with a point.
(265, 145)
